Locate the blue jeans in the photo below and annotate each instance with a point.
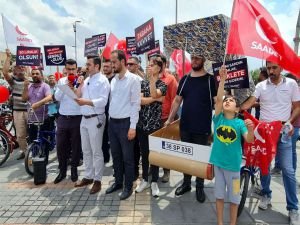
(285, 157)
(294, 148)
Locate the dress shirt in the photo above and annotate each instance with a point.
(95, 88)
(67, 107)
(125, 98)
(276, 100)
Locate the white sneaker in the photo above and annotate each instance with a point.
(154, 189)
(294, 217)
(142, 186)
(264, 203)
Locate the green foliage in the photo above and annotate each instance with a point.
(255, 74)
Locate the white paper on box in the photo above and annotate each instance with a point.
(181, 149)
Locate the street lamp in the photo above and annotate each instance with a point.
(74, 28)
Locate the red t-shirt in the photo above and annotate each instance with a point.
(172, 85)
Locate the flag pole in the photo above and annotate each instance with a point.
(225, 53)
(183, 57)
(4, 31)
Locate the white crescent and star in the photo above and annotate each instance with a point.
(260, 32)
(257, 135)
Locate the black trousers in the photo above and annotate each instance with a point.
(144, 144)
(105, 142)
(68, 141)
(121, 151)
(201, 139)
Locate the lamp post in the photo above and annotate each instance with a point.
(75, 46)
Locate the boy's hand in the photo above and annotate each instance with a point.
(223, 72)
(249, 124)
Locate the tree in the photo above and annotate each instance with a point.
(255, 74)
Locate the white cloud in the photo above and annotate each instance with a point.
(121, 17)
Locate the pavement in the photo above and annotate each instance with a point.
(22, 202)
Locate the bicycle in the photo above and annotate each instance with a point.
(41, 146)
(247, 173)
(8, 141)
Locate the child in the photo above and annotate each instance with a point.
(226, 152)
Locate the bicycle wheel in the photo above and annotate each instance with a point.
(5, 147)
(244, 184)
(33, 151)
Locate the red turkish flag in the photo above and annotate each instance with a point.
(262, 151)
(253, 32)
(111, 45)
(177, 59)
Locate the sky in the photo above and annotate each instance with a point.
(52, 21)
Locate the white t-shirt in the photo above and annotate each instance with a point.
(276, 100)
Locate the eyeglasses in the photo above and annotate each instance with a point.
(131, 64)
(35, 74)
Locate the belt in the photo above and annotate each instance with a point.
(90, 116)
(70, 116)
(119, 120)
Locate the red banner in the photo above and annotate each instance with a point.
(253, 32)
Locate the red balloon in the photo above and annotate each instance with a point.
(4, 94)
(58, 75)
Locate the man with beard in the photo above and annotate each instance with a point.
(68, 127)
(197, 92)
(37, 94)
(16, 83)
(108, 72)
(278, 95)
(125, 101)
(92, 97)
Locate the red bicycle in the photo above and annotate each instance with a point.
(8, 141)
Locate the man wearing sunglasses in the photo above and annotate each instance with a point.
(16, 82)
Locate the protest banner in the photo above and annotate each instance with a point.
(144, 37)
(101, 39)
(130, 45)
(28, 56)
(55, 55)
(91, 46)
(237, 73)
(154, 51)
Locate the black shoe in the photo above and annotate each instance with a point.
(200, 194)
(114, 187)
(60, 177)
(21, 156)
(125, 194)
(183, 189)
(74, 174)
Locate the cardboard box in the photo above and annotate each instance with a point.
(167, 151)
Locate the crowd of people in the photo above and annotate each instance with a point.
(118, 104)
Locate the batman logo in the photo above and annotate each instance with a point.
(226, 134)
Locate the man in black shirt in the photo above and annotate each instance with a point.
(197, 92)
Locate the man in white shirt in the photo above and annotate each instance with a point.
(92, 97)
(124, 109)
(277, 96)
(68, 128)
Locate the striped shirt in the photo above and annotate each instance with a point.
(17, 91)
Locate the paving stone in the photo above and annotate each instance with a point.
(82, 220)
(22, 220)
